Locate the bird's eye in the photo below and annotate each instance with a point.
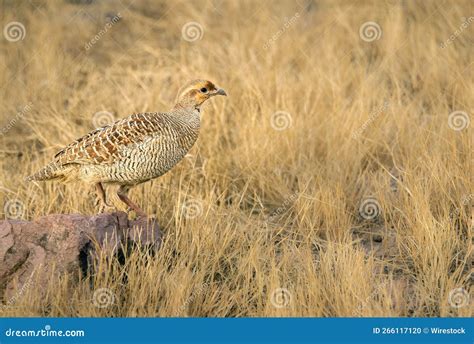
(204, 90)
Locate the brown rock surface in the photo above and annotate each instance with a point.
(65, 243)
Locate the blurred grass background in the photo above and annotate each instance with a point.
(278, 211)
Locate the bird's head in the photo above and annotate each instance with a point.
(196, 92)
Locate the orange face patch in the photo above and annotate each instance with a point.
(196, 92)
(209, 86)
(199, 91)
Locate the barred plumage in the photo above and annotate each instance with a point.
(135, 149)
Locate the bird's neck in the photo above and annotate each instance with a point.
(189, 115)
(187, 106)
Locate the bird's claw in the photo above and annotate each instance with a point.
(105, 207)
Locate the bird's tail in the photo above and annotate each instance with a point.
(50, 171)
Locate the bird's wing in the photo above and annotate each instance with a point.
(104, 145)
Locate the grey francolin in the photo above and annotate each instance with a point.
(135, 149)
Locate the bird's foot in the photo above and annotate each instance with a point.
(139, 214)
(106, 208)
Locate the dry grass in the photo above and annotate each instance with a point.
(280, 209)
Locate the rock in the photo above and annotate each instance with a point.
(64, 244)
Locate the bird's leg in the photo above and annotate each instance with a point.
(122, 194)
(102, 198)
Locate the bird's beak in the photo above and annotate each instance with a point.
(220, 92)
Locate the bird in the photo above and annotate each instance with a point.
(133, 150)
